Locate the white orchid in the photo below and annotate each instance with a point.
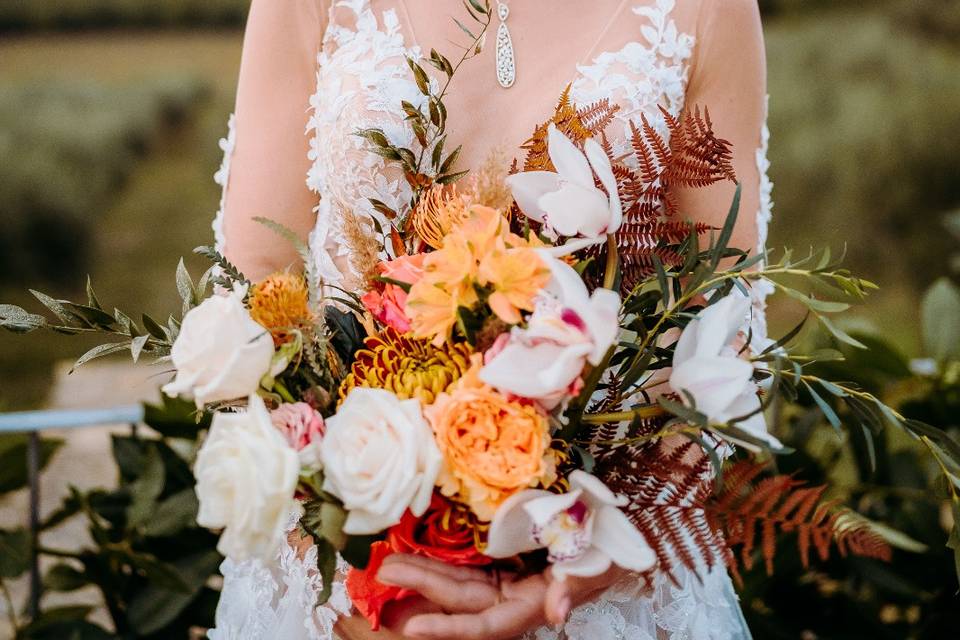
(584, 531)
(708, 369)
(568, 328)
(567, 202)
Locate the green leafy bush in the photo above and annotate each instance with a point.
(66, 148)
(148, 559)
(78, 14)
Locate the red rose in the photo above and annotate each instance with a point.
(442, 533)
(367, 594)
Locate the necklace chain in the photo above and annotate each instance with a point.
(506, 58)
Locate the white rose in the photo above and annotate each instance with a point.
(380, 458)
(246, 477)
(221, 353)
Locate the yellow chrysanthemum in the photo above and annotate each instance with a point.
(437, 213)
(281, 303)
(408, 367)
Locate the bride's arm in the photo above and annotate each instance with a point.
(728, 76)
(269, 164)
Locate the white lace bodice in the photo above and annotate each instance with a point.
(360, 79)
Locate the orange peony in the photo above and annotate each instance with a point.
(492, 447)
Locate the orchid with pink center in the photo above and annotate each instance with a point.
(584, 531)
(711, 376)
(568, 329)
(567, 202)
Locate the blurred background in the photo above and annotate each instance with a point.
(110, 116)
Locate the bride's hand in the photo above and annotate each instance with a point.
(475, 604)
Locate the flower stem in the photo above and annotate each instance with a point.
(613, 262)
(647, 411)
(284, 392)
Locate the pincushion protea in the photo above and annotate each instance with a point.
(408, 367)
(281, 303)
(437, 213)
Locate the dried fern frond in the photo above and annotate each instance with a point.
(578, 124)
(753, 513)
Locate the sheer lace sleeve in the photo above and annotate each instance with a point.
(265, 166)
(728, 76)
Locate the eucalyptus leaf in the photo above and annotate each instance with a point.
(14, 552)
(18, 320)
(940, 315)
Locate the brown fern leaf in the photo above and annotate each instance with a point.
(667, 487)
(752, 514)
(578, 124)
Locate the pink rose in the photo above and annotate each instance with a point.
(387, 307)
(387, 304)
(302, 427)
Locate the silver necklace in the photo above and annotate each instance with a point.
(506, 59)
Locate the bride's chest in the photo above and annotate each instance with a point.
(637, 58)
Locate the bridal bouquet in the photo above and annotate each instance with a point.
(546, 367)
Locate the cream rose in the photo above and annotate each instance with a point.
(221, 353)
(380, 458)
(246, 477)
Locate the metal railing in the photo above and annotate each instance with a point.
(35, 422)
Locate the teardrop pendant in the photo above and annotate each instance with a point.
(506, 60)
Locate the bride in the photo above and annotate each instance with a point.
(315, 71)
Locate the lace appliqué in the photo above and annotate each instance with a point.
(704, 609)
(222, 178)
(262, 601)
(362, 74)
(762, 289)
(640, 76)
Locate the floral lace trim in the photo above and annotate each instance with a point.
(362, 70)
(222, 178)
(265, 602)
(694, 610)
(641, 77)
(762, 289)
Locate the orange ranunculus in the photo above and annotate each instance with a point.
(369, 595)
(446, 532)
(492, 446)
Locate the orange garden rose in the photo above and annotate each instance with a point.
(492, 446)
(479, 252)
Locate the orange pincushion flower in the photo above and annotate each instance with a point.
(492, 447)
(437, 213)
(281, 303)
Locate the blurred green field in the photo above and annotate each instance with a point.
(167, 201)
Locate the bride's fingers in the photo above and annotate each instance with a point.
(563, 595)
(451, 594)
(509, 619)
(457, 573)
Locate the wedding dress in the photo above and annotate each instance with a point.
(315, 71)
